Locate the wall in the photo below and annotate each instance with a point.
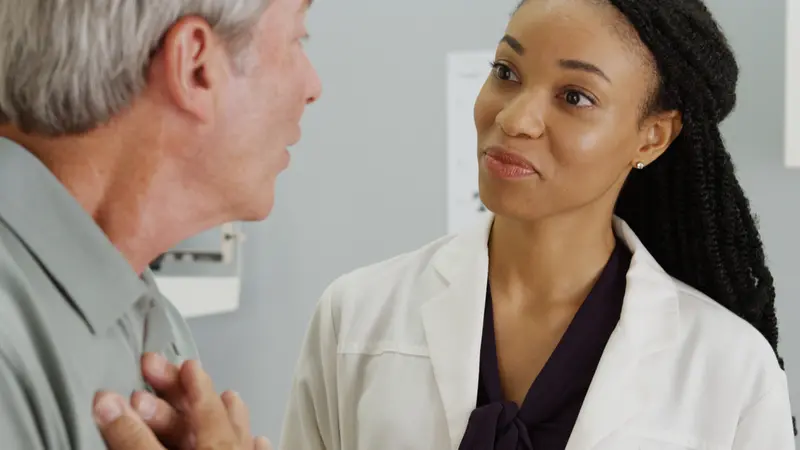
(367, 181)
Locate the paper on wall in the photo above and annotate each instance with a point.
(466, 73)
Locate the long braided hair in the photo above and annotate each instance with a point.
(688, 207)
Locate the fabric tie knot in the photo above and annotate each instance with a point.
(499, 426)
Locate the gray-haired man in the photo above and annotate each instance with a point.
(126, 126)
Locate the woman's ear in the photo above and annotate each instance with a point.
(657, 133)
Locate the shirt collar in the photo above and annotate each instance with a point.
(65, 239)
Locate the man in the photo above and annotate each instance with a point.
(125, 129)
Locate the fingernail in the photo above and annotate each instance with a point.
(159, 364)
(229, 397)
(146, 407)
(108, 409)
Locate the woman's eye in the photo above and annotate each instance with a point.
(503, 72)
(576, 98)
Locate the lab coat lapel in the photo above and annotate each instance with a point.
(611, 400)
(648, 324)
(453, 322)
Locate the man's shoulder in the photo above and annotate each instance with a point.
(19, 316)
(9, 242)
(19, 406)
(15, 295)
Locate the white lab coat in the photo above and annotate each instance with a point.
(390, 362)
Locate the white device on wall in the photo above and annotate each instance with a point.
(792, 121)
(202, 275)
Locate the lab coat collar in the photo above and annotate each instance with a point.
(455, 348)
(648, 324)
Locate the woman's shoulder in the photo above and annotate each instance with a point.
(378, 307)
(386, 276)
(725, 339)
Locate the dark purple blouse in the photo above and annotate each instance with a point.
(551, 406)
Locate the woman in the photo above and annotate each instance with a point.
(618, 299)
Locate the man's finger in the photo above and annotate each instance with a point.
(206, 413)
(159, 372)
(165, 421)
(238, 414)
(121, 427)
(262, 443)
(163, 376)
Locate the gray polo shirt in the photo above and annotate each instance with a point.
(74, 316)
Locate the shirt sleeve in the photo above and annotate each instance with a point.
(19, 427)
(311, 420)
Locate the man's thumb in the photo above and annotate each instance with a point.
(120, 426)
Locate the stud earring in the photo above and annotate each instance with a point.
(640, 165)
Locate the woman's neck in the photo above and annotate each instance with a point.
(553, 261)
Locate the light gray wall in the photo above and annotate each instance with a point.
(368, 180)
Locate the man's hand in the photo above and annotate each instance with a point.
(204, 420)
(164, 414)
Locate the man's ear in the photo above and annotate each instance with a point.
(193, 61)
(657, 133)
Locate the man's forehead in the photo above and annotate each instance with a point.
(289, 6)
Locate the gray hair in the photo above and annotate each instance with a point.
(69, 66)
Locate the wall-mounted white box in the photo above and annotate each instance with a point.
(201, 296)
(201, 275)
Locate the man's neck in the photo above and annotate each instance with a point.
(135, 197)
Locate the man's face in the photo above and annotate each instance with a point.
(259, 110)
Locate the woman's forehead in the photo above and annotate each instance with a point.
(579, 29)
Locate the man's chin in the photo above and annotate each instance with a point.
(286, 159)
(258, 211)
(262, 214)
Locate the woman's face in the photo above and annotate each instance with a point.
(559, 120)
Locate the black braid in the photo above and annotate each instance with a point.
(688, 207)
(702, 230)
